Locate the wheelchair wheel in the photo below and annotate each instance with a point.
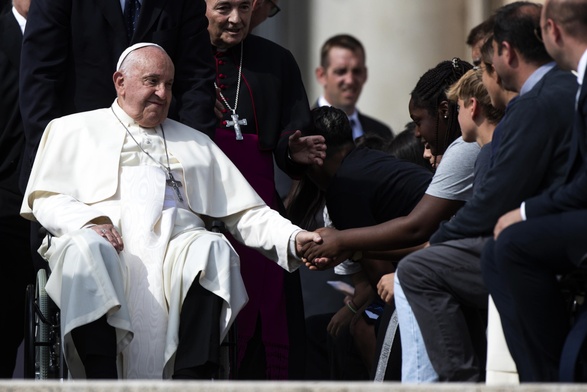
(43, 326)
(29, 337)
(39, 329)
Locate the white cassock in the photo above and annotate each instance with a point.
(88, 168)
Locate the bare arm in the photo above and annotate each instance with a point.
(363, 296)
(404, 232)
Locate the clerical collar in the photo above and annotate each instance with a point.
(122, 115)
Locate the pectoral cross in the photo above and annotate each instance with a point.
(173, 183)
(236, 123)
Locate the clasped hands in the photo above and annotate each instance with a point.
(323, 250)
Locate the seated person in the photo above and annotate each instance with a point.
(361, 187)
(545, 236)
(482, 101)
(477, 120)
(143, 289)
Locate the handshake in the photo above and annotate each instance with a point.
(321, 249)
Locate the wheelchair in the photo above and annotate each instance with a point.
(43, 354)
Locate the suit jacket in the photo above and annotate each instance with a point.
(573, 194)
(371, 126)
(11, 130)
(71, 47)
(533, 148)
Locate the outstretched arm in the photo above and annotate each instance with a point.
(304, 239)
(403, 232)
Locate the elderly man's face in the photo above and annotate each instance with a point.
(144, 89)
(228, 21)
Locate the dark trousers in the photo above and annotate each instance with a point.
(198, 348)
(520, 271)
(332, 358)
(445, 289)
(16, 272)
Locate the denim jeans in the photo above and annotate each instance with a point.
(416, 366)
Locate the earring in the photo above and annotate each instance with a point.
(445, 116)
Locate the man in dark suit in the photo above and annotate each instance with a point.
(342, 74)
(70, 49)
(15, 270)
(443, 283)
(546, 235)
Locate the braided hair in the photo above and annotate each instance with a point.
(430, 92)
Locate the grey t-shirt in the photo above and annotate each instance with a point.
(453, 179)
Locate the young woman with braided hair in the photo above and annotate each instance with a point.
(436, 120)
(430, 94)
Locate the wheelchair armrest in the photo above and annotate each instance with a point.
(45, 233)
(218, 226)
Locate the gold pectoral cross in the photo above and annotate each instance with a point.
(173, 183)
(236, 123)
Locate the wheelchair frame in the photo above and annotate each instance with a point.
(43, 354)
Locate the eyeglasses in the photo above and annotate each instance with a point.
(274, 9)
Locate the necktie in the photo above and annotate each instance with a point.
(356, 132)
(131, 14)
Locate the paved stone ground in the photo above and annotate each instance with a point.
(238, 386)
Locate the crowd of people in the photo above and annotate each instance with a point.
(128, 149)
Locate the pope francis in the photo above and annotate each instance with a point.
(145, 291)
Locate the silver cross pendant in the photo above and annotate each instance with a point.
(236, 123)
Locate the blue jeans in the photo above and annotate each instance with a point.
(416, 366)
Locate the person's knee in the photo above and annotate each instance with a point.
(86, 247)
(410, 269)
(505, 247)
(213, 244)
(488, 258)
